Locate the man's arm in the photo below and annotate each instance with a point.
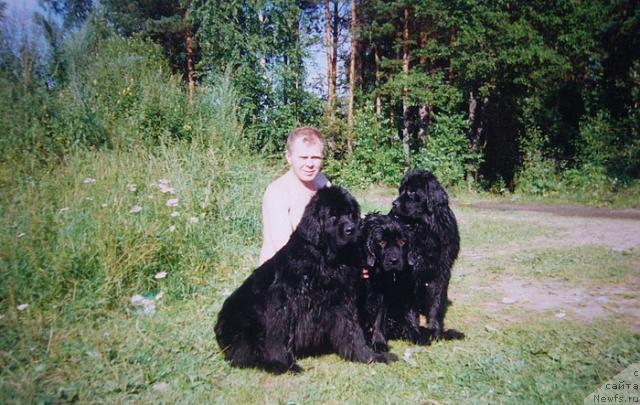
(276, 227)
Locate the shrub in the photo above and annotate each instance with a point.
(446, 151)
(119, 93)
(377, 154)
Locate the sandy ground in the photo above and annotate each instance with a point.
(558, 299)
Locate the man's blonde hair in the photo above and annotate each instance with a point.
(308, 134)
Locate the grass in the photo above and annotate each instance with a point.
(576, 264)
(80, 340)
(625, 196)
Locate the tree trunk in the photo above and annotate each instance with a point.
(405, 90)
(425, 120)
(190, 57)
(26, 65)
(425, 111)
(378, 80)
(352, 74)
(190, 67)
(331, 36)
(475, 127)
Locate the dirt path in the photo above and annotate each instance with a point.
(558, 299)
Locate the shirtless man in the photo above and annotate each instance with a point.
(285, 199)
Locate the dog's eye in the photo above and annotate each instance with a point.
(401, 242)
(382, 243)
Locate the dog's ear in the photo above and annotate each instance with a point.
(311, 224)
(370, 255)
(438, 194)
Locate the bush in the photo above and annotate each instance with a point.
(119, 93)
(446, 151)
(377, 154)
(610, 143)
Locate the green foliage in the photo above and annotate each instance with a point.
(260, 43)
(609, 143)
(446, 151)
(376, 158)
(120, 93)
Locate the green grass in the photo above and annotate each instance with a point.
(126, 357)
(80, 340)
(585, 263)
(625, 196)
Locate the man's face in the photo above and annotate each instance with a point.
(305, 158)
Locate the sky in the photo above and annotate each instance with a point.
(21, 9)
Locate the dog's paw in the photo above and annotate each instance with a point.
(380, 346)
(452, 334)
(440, 334)
(385, 357)
(295, 369)
(423, 337)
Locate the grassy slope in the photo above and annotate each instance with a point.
(80, 340)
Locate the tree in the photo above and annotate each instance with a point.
(332, 29)
(168, 23)
(352, 72)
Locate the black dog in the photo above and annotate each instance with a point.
(423, 205)
(303, 300)
(387, 305)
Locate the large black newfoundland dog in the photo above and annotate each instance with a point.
(423, 206)
(388, 306)
(303, 300)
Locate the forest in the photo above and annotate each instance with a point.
(539, 97)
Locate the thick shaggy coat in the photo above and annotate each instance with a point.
(303, 300)
(423, 206)
(387, 303)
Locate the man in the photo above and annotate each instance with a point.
(285, 199)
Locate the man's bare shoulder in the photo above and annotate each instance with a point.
(277, 190)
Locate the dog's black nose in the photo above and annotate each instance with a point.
(348, 230)
(393, 260)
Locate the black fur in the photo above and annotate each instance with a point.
(302, 301)
(423, 206)
(387, 302)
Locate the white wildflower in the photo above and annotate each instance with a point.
(175, 214)
(105, 205)
(173, 202)
(160, 387)
(135, 209)
(149, 308)
(22, 307)
(164, 189)
(172, 228)
(132, 186)
(137, 299)
(193, 220)
(89, 180)
(160, 275)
